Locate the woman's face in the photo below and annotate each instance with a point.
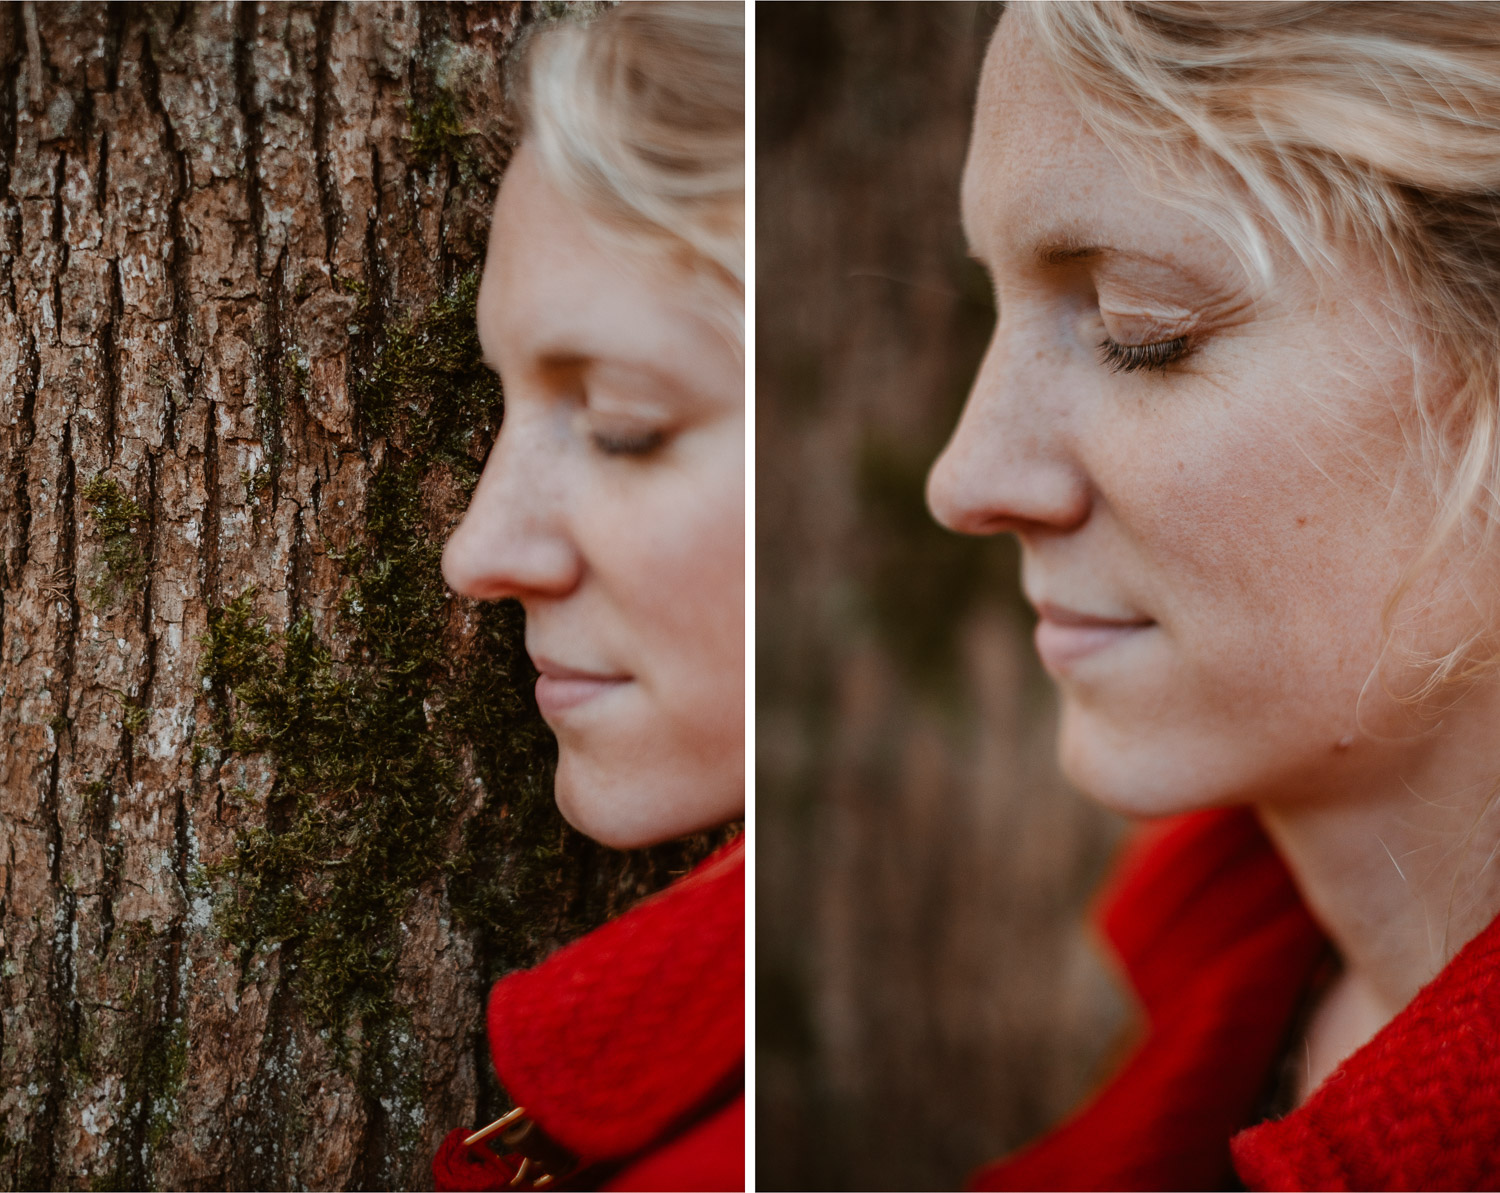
(612, 508)
(1211, 480)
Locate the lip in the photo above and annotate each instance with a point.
(1065, 636)
(560, 688)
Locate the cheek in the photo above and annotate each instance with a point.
(1270, 539)
(671, 553)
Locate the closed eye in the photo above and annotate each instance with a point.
(1131, 358)
(627, 443)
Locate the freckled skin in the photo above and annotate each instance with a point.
(1171, 494)
(1250, 507)
(628, 564)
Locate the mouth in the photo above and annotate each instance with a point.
(560, 688)
(1066, 636)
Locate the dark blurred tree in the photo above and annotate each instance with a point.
(926, 997)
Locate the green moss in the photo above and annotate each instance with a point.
(428, 387)
(114, 512)
(96, 798)
(118, 519)
(133, 716)
(298, 370)
(514, 754)
(152, 1065)
(394, 1067)
(162, 1070)
(366, 739)
(363, 796)
(437, 132)
(268, 407)
(400, 764)
(256, 483)
(574, 10)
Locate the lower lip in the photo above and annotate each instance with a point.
(1060, 646)
(558, 695)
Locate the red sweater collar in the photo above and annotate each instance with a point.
(1220, 948)
(1418, 1107)
(617, 1038)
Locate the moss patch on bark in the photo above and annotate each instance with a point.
(370, 727)
(403, 764)
(437, 131)
(118, 519)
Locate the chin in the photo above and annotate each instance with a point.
(1145, 770)
(627, 809)
(597, 812)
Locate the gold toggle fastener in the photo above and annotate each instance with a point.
(499, 1124)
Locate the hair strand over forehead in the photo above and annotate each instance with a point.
(638, 115)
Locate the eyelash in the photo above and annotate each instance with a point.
(641, 443)
(1131, 358)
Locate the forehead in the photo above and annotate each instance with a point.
(556, 285)
(547, 276)
(1038, 177)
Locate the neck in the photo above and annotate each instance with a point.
(1403, 869)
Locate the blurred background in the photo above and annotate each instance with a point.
(928, 995)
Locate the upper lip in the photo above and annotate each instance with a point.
(1062, 615)
(552, 669)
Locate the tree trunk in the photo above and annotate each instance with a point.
(276, 808)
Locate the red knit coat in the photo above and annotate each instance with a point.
(628, 1046)
(1221, 951)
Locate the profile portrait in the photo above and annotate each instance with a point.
(1235, 413)
(371, 595)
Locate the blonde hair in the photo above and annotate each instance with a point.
(1376, 124)
(638, 115)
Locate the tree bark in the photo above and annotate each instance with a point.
(276, 807)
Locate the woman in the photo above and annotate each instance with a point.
(612, 508)
(1240, 409)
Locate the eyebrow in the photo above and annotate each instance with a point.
(549, 361)
(568, 361)
(555, 361)
(1064, 252)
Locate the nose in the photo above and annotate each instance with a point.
(513, 540)
(1009, 465)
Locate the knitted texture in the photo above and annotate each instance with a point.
(1418, 1107)
(476, 1169)
(1221, 949)
(637, 1029)
(708, 1158)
